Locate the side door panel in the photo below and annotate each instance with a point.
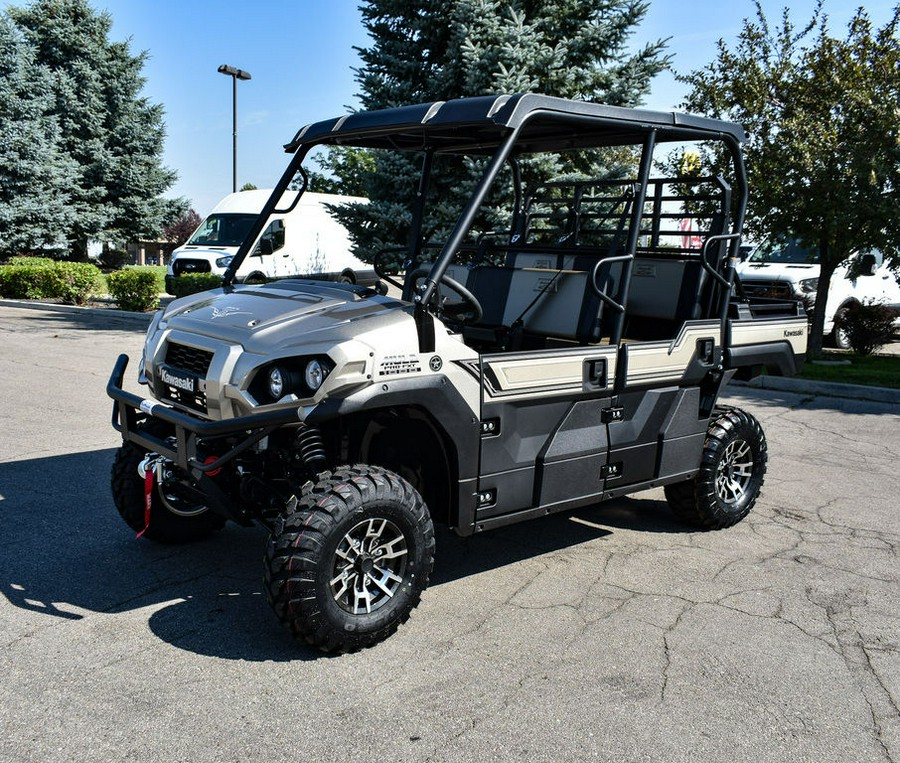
(661, 430)
(543, 440)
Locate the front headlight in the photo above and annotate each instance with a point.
(809, 285)
(315, 374)
(224, 262)
(290, 376)
(276, 382)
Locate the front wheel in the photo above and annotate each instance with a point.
(345, 566)
(173, 519)
(732, 470)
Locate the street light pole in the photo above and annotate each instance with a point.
(235, 75)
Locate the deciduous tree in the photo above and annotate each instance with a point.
(179, 230)
(823, 115)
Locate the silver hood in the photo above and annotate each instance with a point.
(283, 313)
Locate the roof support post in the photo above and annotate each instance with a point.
(634, 231)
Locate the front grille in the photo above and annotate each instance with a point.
(188, 358)
(196, 401)
(181, 379)
(181, 265)
(774, 289)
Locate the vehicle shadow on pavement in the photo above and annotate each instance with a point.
(460, 557)
(66, 554)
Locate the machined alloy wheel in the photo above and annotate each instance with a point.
(731, 474)
(734, 473)
(369, 564)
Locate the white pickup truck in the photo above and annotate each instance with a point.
(302, 238)
(788, 270)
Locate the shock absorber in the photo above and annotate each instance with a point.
(310, 447)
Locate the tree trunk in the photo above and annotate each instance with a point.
(826, 271)
(78, 250)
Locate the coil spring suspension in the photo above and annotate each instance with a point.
(310, 447)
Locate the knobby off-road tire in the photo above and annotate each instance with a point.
(172, 520)
(732, 470)
(347, 565)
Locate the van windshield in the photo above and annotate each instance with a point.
(788, 252)
(223, 229)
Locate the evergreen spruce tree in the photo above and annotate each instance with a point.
(114, 135)
(425, 50)
(35, 176)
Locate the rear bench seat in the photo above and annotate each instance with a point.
(551, 294)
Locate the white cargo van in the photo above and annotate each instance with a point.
(787, 269)
(305, 242)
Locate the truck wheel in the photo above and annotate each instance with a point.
(348, 564)
(732, 470)
(839, 337)
(172, 519)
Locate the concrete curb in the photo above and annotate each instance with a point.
(142, 319)
(823, 389)
(778, 383)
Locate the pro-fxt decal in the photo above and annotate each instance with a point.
(396, 365)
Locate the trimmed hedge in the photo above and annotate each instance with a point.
(40, 262)
(191, 283)
(74, 283)
(134, 290)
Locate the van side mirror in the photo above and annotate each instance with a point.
(868, 265)
(266, 246)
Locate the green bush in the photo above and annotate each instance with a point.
(191, 283)
(113, 259)
(134, 289)
(22, 282)
(74, 283)
(40, 262)
(158, 270)
(868, 326)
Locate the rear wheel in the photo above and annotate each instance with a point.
(732, 470)
(346, 566)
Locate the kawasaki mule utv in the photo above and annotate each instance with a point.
(563, 343)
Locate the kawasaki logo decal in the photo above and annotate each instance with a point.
(182, 382)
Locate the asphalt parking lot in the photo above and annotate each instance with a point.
(610, 634)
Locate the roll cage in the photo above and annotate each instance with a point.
(504, 128)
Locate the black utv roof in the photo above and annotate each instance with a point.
(478, 125)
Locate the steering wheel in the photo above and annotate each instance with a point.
(469, 311)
